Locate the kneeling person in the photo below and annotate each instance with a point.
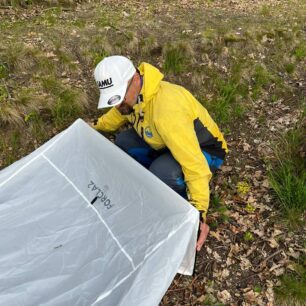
(173, 135)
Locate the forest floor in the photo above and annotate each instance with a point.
(244, 60)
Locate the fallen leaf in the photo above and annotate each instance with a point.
(246, 147)
(250, 296)
(226, 168)
(216, 256)
(224, 296)
(273, 243)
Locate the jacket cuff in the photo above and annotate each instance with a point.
(94, 124)
(202, 216)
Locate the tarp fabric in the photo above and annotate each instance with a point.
(82, 223)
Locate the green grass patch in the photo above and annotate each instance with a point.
(50, 17)
(9, 148)
(248, 236)
(261, 78)
(45, 65)
(3, 71)
(67, 107)
(226, 107)
(300, 51)
(218, 207)
(232, 37)
(36, 125)
(3, 94)
(68, 104)
(289, 67)
(265, 10)
(287, 174)
(176, 58)
(292, 290)
(99, 56)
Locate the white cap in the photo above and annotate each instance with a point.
(112, 75)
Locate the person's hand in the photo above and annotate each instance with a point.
(204, 230)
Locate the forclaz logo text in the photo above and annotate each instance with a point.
(105, 83)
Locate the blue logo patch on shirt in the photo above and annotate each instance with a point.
(148, 132)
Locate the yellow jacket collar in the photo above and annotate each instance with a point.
(151, 81)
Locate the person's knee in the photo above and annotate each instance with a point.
(123, 140)
(132, 144)
(168, 170)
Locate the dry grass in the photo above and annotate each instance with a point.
(229, 59)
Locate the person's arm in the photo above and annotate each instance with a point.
(110, 121)
(179, 136)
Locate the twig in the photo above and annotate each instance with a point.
(263, 263)
(261, 266)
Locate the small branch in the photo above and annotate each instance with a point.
(261, 266)
(264, 262)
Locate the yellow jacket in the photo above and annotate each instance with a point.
(171, 117)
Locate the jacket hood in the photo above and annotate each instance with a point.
(151, 80)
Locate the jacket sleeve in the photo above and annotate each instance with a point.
(111, 121)
(180, 138)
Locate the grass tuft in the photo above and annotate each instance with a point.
(290, 67)
(68, 107)
(265, 10)
(3, 71)
(176, 58)
(9, 114)
(227, 106)
(9, 149)
(300, 51)
(36, 124)
(219, 209)
(99, 56)
(287, 174)
(261, 78)
(292, 290)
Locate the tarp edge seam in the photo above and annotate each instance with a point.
(100, 298)
(92, 207)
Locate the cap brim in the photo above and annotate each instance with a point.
(109, 98)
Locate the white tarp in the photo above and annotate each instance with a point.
(56, 248)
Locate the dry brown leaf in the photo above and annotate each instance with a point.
(276, 232)
(208, 250)
(250, 296)
(226, 168)
(217, 256)
(201, 299)
(224, 296)
(270, 296)
(293, 253)
(259, 233)
(246, 147)
(273, 243)
(245, 264)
